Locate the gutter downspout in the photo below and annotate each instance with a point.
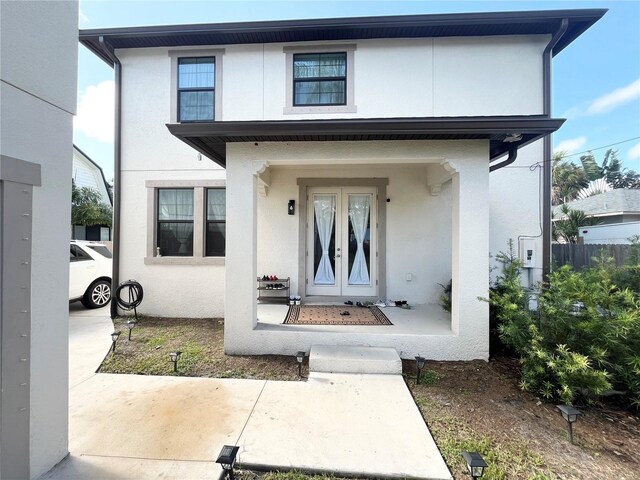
(115, 276)
(513, 154)
(547, 151)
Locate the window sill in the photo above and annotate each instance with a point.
(320, 109)
(184, 260)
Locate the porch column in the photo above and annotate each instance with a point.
(470, 256)
(241, 254)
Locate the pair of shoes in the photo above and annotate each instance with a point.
(390, 303)
(380, 304)
(399, 303)
(345, 313)
(348, 302)
(405, 306)
(359, 304)
(269, 278)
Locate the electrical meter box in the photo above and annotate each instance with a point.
(528, 253)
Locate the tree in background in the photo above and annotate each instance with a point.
(569, 179)
(567, 229)
(88, 209)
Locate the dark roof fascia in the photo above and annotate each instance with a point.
(218, 134)
(352, 28)
(106, 184)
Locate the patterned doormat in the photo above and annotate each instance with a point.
(331, 315)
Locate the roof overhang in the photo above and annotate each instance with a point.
(211, 139)
(327, 29)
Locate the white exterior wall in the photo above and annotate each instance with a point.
(86, 174)
(418, 227)
(480, 76)
(150, 152)
(38, 91)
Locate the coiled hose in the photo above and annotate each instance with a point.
(135, 294)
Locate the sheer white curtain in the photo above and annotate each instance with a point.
(325, 211)
(359, 206)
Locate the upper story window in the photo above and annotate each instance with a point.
(196, 89)
(320, 79)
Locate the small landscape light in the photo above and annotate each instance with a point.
(420, 361)
(570, 414)
(131, 324)
(475, 464)
(114, 339)
(300, 358)
(175, 356)
(227, 459)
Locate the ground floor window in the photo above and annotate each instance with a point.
(216, 222)
(175, 222)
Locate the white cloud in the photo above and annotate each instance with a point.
(634, 152)
(615, 99)
(96, 110)
(571, 145)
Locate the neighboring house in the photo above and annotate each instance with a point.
(621, 205)
(38, 91)
(87, 173)
(352, 155)
(610, 233)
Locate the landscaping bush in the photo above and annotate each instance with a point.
(628, 276)
(445, 298)
(584, 338)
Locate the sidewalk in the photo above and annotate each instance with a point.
(131, 426)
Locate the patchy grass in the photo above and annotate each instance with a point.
(472, 406)
(201, 342)
(477, 406)
(247, 475)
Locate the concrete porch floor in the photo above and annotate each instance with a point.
(427, 319)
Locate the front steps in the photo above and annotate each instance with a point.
(337, 359)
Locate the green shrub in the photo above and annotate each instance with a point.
(445, 298)
(628, 276)
(584, 338)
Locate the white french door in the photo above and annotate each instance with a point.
(342, 241)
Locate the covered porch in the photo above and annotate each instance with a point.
(429, 183)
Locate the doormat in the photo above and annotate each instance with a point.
(331, 315)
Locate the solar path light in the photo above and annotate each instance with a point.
(227, 459)
(131, 324)
(420, 361)
(475, 464)
(570, 414)
(114, 339)
(175, 356)
(300, 358)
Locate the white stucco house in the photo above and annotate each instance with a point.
(87, 173)
(363, 158)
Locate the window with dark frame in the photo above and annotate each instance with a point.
(216, 222)
(175, 222)
(196, 89)
(319, 79)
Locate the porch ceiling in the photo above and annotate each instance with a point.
(211, 139)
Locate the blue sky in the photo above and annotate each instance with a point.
(596, 80)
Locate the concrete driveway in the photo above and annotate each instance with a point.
(135, 427)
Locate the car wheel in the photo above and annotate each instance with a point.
(98, 294)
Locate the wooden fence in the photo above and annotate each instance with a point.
(581, 256)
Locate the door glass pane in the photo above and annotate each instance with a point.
(324, 263)
(359, 239)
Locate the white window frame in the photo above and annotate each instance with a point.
(199, 222)
(290, 51)
(176, 54)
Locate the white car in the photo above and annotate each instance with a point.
(89, 273)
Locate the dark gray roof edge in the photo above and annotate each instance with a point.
(511, 124)
(104, 179)
(586, 18)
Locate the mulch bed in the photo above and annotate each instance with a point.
(335, 315)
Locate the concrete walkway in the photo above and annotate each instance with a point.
(130, 426)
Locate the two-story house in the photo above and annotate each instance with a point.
(363, 158)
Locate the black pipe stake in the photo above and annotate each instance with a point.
(113, 349)
(300, 370)
(418, 377)
(571, 433)
(130, 333)
(175, 365)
